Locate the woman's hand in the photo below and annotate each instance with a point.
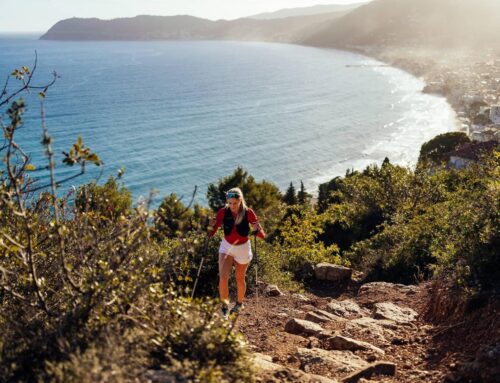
(256, 226)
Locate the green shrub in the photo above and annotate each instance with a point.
(109, 200)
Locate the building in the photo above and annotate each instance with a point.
(470, 153)
(485, 135)
(495, 114)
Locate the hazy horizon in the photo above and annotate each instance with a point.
(38, 16)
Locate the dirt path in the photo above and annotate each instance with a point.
(386, 317)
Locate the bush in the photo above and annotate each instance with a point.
(454, 224)
(85, 293)
(296, 247)
(110, 200)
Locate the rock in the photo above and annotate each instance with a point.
(265, 362)
(301, 298)
(338, 342)
(345, 308)
(308, 307)
(274, 372)
(379, 368)
(273, 291)
(299, 326)
(320, 316)
(374, 292)
(337, 362)
(388, 310)
(330, 272)
(370, 326)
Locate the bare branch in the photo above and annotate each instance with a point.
(27, 84)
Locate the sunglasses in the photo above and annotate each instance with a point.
(232, 195)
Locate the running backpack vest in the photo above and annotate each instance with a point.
(242, 229)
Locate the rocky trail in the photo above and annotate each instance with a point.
(346, 331)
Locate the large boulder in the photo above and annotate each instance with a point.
(337, 362)
(389, 311)
(303, 327)
(338, 342)
(331, 272)
(345, 309)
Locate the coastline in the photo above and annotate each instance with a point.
(396, 59)
(464, 77)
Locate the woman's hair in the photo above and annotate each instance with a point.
(243, 205)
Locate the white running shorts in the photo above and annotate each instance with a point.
(241, 253)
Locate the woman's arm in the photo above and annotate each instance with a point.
(254, 223)
(218, 222)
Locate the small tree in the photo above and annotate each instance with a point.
(290, 197)
(172, 218)
(434, 151)
(303, 197)
(259, 195)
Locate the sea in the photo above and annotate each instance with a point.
(176, 116)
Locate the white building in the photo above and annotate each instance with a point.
(495, 114)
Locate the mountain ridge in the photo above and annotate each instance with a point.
(306, 11)
(185, 27)
(443, 23)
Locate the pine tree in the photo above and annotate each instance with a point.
(290, 197)
(303, 196)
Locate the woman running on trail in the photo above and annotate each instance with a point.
(235, 248)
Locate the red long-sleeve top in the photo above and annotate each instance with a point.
(234, 237)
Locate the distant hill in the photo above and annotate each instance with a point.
(289, 29)
(307, 11)
(385, 23)
(431, 23)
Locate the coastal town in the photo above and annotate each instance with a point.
(469, 80)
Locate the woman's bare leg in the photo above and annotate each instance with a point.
(225, 266)
(240, 280)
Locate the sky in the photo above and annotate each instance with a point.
(40, 15)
